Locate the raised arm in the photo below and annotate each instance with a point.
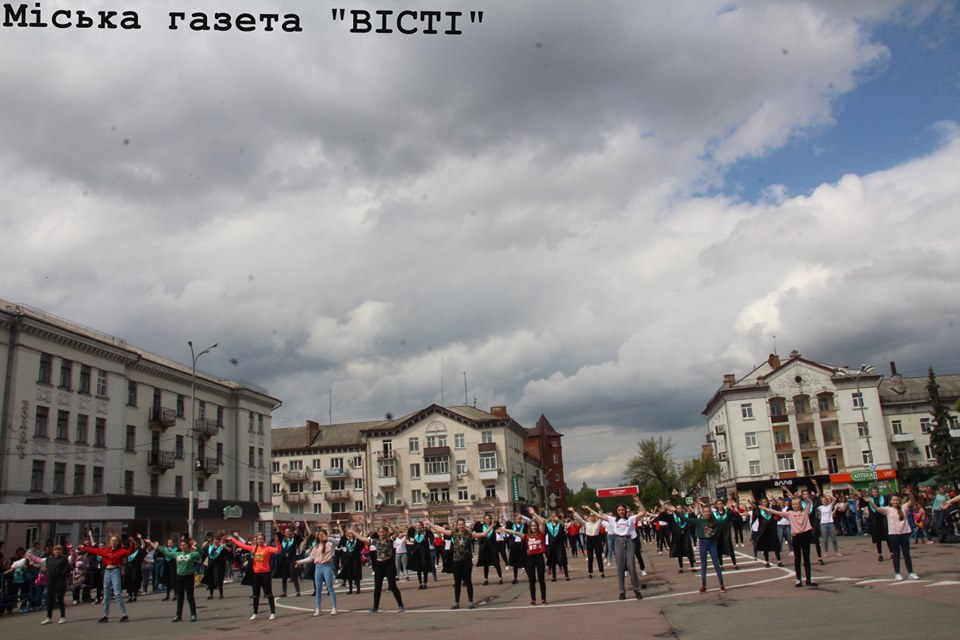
(536, 516)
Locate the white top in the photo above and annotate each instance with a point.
(622, 527)
(400, 545)
(826, 514)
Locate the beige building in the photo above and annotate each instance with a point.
(447, 461)
(90, 420)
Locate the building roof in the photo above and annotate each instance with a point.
(463, 414)
(900, 390)
(543, 428)
(324, 436)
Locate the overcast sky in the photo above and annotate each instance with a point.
(593, 208)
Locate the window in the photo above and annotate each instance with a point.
(296, 465)
(554, 443)
(336, 463)
(488, 461)
(220, 453)
(746, 411)
(833, 464)
(902, 456)
(437, 441)
(274, 467)
(556, 477)
(463, 494)
(439, 494)
(416, 496)
(800, 405)
(317, 486)
(102, 378)
(84, 379)
(338, 485)
(100, 432)
(219, 489)
(414, 471)
(863, 430)
(781, 437)
(486, 437)
(154, 485)
(252, 489)
(808, 466)
(338, 507)
(59, 477)
(296, 487)
(389, 498)
(437, 464)
(897, 426)
(459, 441)
(201, 410)
(755, 468)
(259, 492)
(98, 480)
(804, 437)
(358, 484)
(131, 442)
(128, 482)
(751, 438)
(490, 491)
(66, 374)
(43, 419)
(785, 462)
(824, 403)
(828, 436)
(857, 400)
(79, 479)
(358, 505)
(178, 486)
(46, 368)
(867, 457)
(776, 409)
(36, 477)
(220, 417)
(926, 425)
(251, 458)
(461, 468)
(63, 425)
(388, 469)
(259, 423)
(178, 447)
(250, 421)
(181, 403)
(260, 463)
(357, 462)
(928, 452)
(317, 507)
(131, 393)
(317, 464)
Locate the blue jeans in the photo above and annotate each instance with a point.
(783, 533)
(323, 574)
(709, 546)
(111, 589)
(900, 544)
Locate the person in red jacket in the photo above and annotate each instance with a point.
(113, 556)
(261, 569)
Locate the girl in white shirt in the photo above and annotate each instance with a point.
(828, 530)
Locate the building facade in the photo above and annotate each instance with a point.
(90, 420)
(448, 461)
(544, 444)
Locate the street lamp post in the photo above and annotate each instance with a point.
(864, 369)
(192, 425)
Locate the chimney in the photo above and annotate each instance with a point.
(893, 368)
(774, 360)
(794, 354)
(896, 380)
(313, 431)
(729, 379)
(500, 411)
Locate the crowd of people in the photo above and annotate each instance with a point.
(47, 577)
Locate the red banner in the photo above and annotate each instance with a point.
(616, 492)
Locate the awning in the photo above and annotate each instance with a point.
(63, 513)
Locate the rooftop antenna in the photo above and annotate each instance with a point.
(441, 381)
(330, 411)
(465, 401)
(774, 345)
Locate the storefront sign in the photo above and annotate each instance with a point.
(515, 487)
(235, 511)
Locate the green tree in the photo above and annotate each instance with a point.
(653, 470)
(698, 474)
(946, 448)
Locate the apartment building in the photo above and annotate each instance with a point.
(447, 461)
(788, 423)
(90, 421)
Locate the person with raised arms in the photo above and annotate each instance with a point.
(623, 529)
(261, 580)
(536, 547)
(461, 563)
(384, 565)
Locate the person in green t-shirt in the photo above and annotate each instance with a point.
(186, 558)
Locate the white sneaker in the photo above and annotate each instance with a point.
(898, 578)
(253, 617)
(273, 616)
(61, 620)
(333, 611)
(316, 612)
(643, 573)
(46, 621)
(913, 576)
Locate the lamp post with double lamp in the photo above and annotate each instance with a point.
(864, 369)
(193, 429)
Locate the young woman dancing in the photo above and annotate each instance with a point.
(186, 561)
(595, 535)
(113, 556)
(765, 537)
(898, 532)
(801, 530)
(878, 524)
(708, 527)
(261, 580)
(536, 544)
(419, 554)
(487, 555)
(556, 547)
(624, 530)
(384, 565)
(517, 544)
(681, 546)
(321, 557)
(217, 556)
(351, 564)
(461, 561)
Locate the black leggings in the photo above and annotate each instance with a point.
(594, 550)
(388, 570)
(184, 587)
(461, 576)
(536, 572)
(56, 588)
(801, 547)
(263, 581)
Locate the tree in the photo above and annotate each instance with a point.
(699, 473)
(946, 448)
(653, 470)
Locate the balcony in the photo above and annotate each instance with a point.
(436, 452)
(296, 497)
(163, 418)
(387, 455)
(300, 475)
(783, 447)
(489, 474)
(334, 472)
(779, 419)
(161, 460)
(387, 482)
(901, 437)
(806, 445)
(832, 444)
(485, 447)
(205, 427)
(828, 414)
(336, 496)
(437, 478)
(207, 466)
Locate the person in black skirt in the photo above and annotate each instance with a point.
(351, 565)
(487, 555)
(878, 523)
(765, 536)
(556, 546)
(217, 555)
(419, 558)
(516, 545)
(286, 569)
(681, 544)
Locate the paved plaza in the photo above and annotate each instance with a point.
(856, 597)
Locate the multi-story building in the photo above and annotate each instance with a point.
(544, 444)
(447, 461)
(907, 420)
(92, 422)
(787, 423)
